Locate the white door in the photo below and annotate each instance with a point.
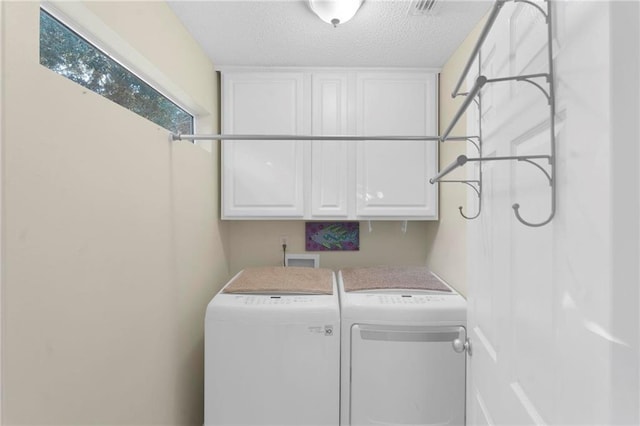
(392, 176)
(511, 312)
(540, 298)
(263, 178)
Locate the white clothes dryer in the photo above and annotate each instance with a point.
(272, 349)
(403, 343)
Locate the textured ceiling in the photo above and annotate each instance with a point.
(287, 33)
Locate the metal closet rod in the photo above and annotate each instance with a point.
(461, 160)
(179, 137)
(483, 35)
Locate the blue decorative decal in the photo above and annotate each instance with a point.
(329, 236)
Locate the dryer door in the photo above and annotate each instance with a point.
(404, 375)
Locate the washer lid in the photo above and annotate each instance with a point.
(391, 277)
(282, 280)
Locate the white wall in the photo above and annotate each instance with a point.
(111, 246)
(553, 310)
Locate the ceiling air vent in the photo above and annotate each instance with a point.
(424, 7)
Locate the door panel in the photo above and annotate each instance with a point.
(406, 376)
(263, 178)
(393, 176)
(539, 298)
(330, 160)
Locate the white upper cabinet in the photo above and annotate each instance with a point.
(263, 178)
(329, 159)
(392, 176)
(329, 179)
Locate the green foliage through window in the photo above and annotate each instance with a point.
(68, 54)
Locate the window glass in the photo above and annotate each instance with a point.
(70, 55)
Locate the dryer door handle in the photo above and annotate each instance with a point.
(411, 334)
(461, 343)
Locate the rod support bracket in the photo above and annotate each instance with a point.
(530, 3)
(547, 77)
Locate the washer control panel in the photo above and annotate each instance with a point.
(406, 299)
(274, 299)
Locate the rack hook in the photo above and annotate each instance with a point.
(470, 217)
(516, 208)
(477, 190)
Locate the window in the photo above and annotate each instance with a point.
(70, 55)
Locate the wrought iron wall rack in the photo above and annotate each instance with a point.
(474, 96)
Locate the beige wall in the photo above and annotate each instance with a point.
(110, 239)
(257, 243)
(447, 239)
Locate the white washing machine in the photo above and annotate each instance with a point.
(272, 349)
(403, 360)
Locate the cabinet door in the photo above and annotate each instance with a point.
(393, 176)
(329, 162)
(262, 178)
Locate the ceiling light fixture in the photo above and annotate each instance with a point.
(335, 11)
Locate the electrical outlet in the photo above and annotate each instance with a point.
(284, 240)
